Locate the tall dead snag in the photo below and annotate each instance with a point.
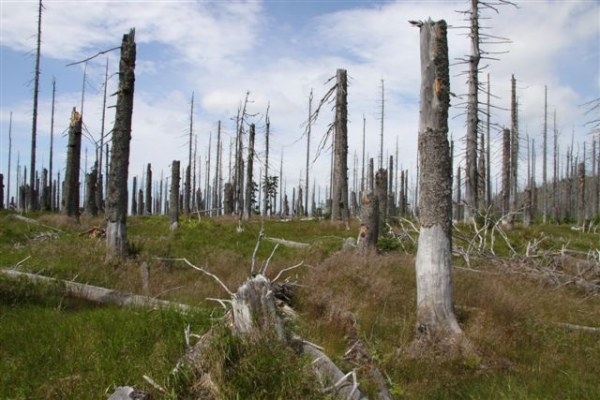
(435, 314)
(148, 203)
(174, 196)
(91, 184)
(514, 149)
(1, 192)
(116, 194)
(249, 172)
(581, 209)
(339, 204)
(381, 192)
(32, 200)
(505, 198)
(71, 185)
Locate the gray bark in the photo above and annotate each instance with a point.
(505, 198)
(581, 209)
(116, 196)
(471, 184)
(339, 204)
(514, 151)
(134, 204)
(435, 314)
(148, 202)
(174, 196)
(91, 183)
(249, 174)
(369, 224)
(71, 186)
(381, 192)
(32, 203)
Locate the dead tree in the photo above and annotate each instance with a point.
(381, 193)
(308, 132)
(187, 192)
(505, 197)
(249, 174)
(134, 205)
(435, 314)
(339, 204)
(100, 191)
(148, 201)
(514, 150)
(8, 200)
(544, 159)
(49, 206)
(369, 224)
(32, 203)
(174, 195)
(71, 185)
(91, 183)
(116, 195)
(1, 191)
(581, 206)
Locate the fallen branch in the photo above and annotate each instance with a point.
(574, 327)
(216, 278)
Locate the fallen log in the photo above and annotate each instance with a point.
(99, 294)
(287, 243)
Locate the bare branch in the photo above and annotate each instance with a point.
(94, 56)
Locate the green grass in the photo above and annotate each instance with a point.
(54, 347)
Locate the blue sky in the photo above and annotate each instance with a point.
(279, 50)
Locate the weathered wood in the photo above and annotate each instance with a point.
(99, 294)
(287, 243)
(174, 195)
(91, 185)
(369, 224)
(435, 314)
(339, 193)
(71, 185)
(116, 194)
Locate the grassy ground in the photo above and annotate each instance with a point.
(53, 347)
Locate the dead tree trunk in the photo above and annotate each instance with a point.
(505, 198)
(249, 178)
(91, 183)
(134, 205)
(339, 204)
(581, 209)
(148, 189)
(116, 195)
(381, 192)
(32, 203)
(471, 192)
(435, 314)
(71, 186)
(1, 192)
(174, 196)
(369, 224)
(514, 151)
(46, 188)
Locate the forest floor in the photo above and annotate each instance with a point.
(527, 300)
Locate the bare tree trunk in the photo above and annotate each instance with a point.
(266, 200)
(49, 205)
(555, 174)
(369, 224)
(91, 182)
(217, 185)
(505, 198)
(339, 203)
(382, 118)
(32, 198)
(381, 193)
(8, 199)
(459, 201)
(581, 214)
(514, 150)
(134, 205)
(148, 202)
(174, 195)
(100, 191)
(471, 191)
(488, 153)
(307, 172)
(545, 159)
(187, 193)
(71, 188)
(435, 314)
(116, 196)
(249, 174)
(1, 192)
